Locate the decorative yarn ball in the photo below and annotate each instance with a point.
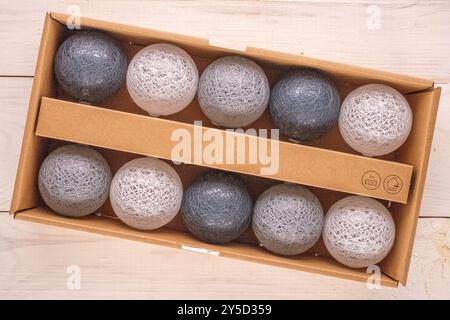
(375, 119)
(233, 92)
(162, 79)
(217, 207)
(304, 104)
(90, 66)
(146, 193)
(288, 219)
(358, 231)
(74, 180)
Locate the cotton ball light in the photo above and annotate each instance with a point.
(304, 104)
(233, 92)
(90, 66)
(358, 231)
(375, 119)
(217, 207)
(288, 219)
(74, 180)
(162, 79)
(146, 193)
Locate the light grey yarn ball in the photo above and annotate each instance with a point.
(358, 231)
(288, 219)
(233, 92)
(90, 66)
(304, 104)
(162, 79)
(217, 207)
(146, 193)
(74, 180)
(375, 119)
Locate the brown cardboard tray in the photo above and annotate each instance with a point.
(328, 166)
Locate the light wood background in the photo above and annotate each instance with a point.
(413, 38)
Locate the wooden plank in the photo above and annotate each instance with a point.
(35, 259)
(15, 92)
(14, 95)
(400, 36)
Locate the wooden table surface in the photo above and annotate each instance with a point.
(410, 37)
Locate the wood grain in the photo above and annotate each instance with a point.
(14, 95)
(114, 268)
(411, 37)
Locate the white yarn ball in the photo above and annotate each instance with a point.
(146, 193)
(375, 119)
(233, 92)
(288, 219)
(162, 79)
(74, 180)
(358, 231)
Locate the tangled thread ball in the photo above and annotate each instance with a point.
(233, 92)
(375, 119)
(162, 79)
(358, 231)
(74, 180)
(90, 66)
(288, 219)
(217, 207)
(304, 104)
(146, 193)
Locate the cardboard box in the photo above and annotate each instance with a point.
(122, 131)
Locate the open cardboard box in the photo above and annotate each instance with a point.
(122, 131)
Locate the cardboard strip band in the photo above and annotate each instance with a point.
(159, 138)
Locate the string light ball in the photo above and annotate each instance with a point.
(146, 193)
(90, 66)
(288, 219)
(74, 180)
(162, 79)
(304, 104)
(233, 92)
(375, 119)
(217, 207)
(358, 231)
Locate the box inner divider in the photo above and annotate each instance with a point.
(144, 135)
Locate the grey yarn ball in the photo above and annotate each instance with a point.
(288, 219)
(90, 66)
(74, 180)
(146, 193)
(217, 207)
(304, 104)
(358, 231)
(233, 92)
